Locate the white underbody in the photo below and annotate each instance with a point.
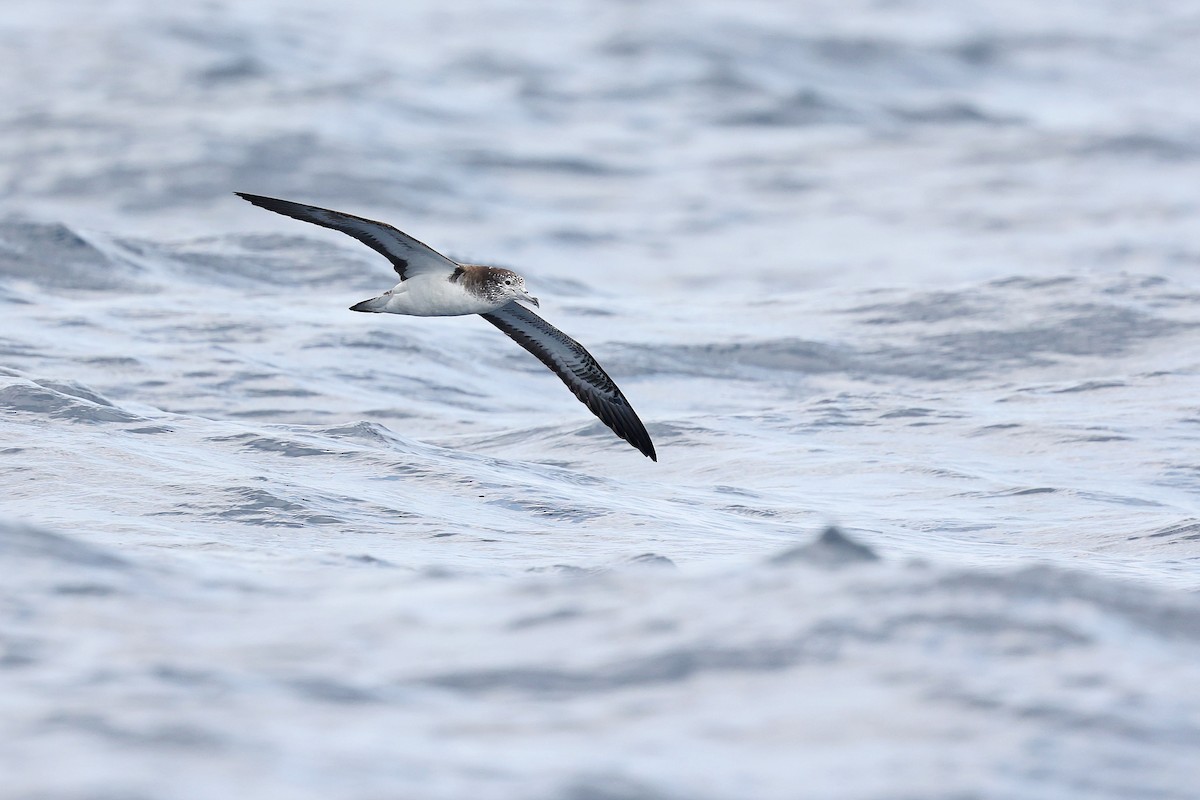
(433, 295)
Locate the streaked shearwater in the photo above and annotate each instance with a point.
(432, 285)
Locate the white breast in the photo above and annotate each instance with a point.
(434, 296)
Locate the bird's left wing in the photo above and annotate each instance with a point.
(577, 369)
(408, 256)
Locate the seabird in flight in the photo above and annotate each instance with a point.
(432, 285)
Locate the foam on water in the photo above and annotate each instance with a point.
(924, 271)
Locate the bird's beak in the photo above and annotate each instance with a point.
(527, 296)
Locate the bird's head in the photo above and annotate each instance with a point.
(512, 285)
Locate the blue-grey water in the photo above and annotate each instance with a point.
(923, 273)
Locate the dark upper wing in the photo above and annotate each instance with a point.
(578, 370)
(408, 256)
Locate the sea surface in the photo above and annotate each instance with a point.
(907, 293)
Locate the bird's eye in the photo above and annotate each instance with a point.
(508, 283)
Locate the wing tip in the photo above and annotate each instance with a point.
(644, 446)
(630, 428)
(262, 201)
(637, 438)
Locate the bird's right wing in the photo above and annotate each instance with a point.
(582, 374)
(408, 256)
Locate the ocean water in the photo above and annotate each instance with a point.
(905, 292)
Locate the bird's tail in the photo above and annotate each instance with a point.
(375, 304)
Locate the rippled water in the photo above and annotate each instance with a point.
(922, 271)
